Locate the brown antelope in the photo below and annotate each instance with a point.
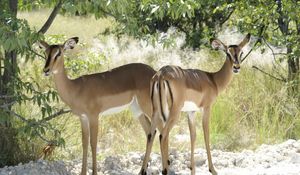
(174, 89)
(101, 93)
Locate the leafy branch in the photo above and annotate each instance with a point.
(270, 75)
(34, 124)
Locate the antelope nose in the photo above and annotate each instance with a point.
(46, 71)
(236, 69)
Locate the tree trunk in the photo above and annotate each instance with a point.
(293, 61)
(293, 73)
(9, 70)
(10, 152)
(8, 142)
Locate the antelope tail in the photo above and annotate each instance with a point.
(162, 98)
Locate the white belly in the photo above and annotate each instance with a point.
(133, 104)
(189, 106)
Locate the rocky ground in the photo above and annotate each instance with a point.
(280, 159)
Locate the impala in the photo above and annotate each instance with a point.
(100, 93)
(174, 89)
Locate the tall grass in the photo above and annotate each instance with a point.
(254, 109)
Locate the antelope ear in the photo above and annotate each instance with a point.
(70, 43)
(43, 45)
(245, 40)
(218, 45)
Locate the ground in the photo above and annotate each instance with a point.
(279, 159)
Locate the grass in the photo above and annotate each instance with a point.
(86, 28)
(254, 109)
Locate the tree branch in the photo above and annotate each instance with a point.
(51, 18)
(62, 111)
(274, 57)
(107, 13)
(227, 17)
(6, 105)
(270, 75)
(37, 54)
(16, 115)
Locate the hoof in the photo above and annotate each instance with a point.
(142, 172)
(213, 171)
(165, 172)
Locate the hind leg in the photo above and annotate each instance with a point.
(150, 139)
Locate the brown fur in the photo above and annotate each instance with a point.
(92, 94)
(194, 85)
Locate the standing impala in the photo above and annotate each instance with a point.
(174, 89)
(101, 93)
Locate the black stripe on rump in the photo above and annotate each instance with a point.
(152, 92)
(160, 100)
(170, 91)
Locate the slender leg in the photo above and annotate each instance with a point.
(93, 141)
(164, 139)
(164, 148)
(192, 127)
(150, 139)
(85, 140)
(205, 125)
(146, 124)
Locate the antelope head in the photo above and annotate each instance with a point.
(233, 52)
(54, 54)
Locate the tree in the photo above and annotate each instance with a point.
(16, 40)
(276, 22)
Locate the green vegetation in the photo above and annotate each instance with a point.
(254, 109)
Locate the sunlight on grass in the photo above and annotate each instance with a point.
(86, 28)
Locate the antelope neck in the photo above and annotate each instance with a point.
(63, 84)
(223, 77)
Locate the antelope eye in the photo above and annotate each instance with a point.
(57, 55)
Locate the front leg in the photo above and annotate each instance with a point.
(85, 140)
(93, 121)
(205, 125)
(192, 127)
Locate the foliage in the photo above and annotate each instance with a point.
(199, 20)
(276, 22)
(16, 40)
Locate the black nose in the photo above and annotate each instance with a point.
(46, 71)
